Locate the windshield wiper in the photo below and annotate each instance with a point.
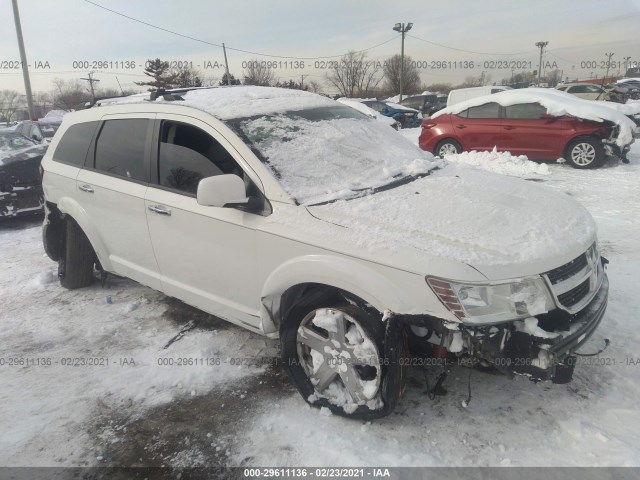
(398, 181)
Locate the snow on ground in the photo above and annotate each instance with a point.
(49, 391)
(49, 412)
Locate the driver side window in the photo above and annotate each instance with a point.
(187, 154)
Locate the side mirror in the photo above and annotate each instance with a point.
(221, 191)
(546, 116)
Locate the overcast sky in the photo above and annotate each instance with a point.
(61, 34)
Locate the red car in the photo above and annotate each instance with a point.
(522, 129)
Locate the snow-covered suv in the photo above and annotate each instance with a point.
(289, 214)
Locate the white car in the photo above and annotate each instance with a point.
(292, 215)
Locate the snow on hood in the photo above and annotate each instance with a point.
(397, 106)
(237, 102)
(467, 215)
(557, 104)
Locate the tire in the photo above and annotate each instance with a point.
(75, 267)
(585, 152)
(447, 146)
(365, 389)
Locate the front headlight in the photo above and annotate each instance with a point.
(493, 303)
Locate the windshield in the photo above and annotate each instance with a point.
(329, 153)
(13, 141)
(48, 130)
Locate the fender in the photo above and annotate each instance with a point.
(354, 277)
(70, 207)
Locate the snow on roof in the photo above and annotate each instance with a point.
(634, 79)
(557, 103)
(247, 101)
(397, 106)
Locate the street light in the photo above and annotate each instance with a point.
(403, 29)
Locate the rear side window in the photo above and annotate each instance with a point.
(525, 111)
(120, 148)
(488, 110)
(73, 145)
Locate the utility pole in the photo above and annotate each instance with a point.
(226, 64)
(626, 62)
(403, 29)
(609, 56)
(302, 81)
(482, 77)
(91, 80)
(23, 60)
(541, 46)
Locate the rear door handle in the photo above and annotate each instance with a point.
(461, 126)
(160, 209)
(86, 188)
(509, 128)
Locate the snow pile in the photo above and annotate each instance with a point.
(54, 116)
(318, 161)
(500, 162)
(557, 104)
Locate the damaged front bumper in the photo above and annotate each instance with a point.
(540, 347)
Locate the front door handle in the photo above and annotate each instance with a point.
(86, 188)
(461, 126)
(509, 127)
(160, 209)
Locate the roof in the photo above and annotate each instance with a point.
(232, 102)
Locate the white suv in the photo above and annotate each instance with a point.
(292, 215)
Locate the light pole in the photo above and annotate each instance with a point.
(541, 46)
(23, 60)
(403, 29)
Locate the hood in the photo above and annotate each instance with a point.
(503, 227)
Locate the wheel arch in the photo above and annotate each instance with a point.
(69, 207)
(324, 274)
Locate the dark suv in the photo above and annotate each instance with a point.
(426, 104)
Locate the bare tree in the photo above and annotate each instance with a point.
(69, 94)
(554, 77)
(355, 76)
(10, 103)
(410, 76)
(438, 87)
(315, 87)
(258, 73)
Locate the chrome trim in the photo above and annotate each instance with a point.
(594, 272)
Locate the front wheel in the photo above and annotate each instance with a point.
(447, 147)
(335, 356)
(585, 152)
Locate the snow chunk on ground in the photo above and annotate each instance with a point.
(500, 162)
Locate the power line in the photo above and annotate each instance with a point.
(220, 45)
(465, 51)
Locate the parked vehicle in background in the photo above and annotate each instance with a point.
(524, 122)
(20, 188)
(292, 215)
(370, 112)
(427, 104)
(408, 117)
(586, 91)
(40, 130)
(461, 94)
